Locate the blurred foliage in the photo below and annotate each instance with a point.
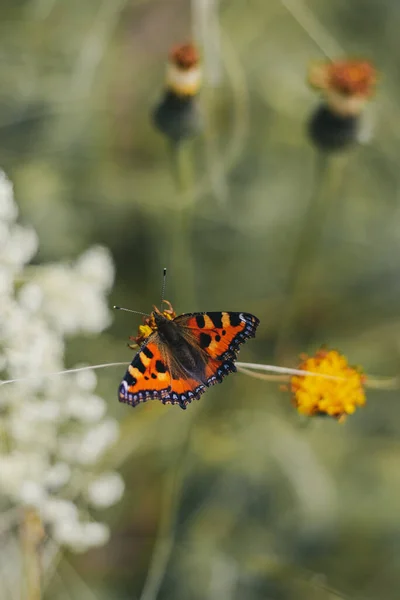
(236, 497)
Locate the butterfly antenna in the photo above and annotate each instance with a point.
(163, 285)
(135, 312)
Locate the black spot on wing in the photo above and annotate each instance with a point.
(147, 352)
(235, 319)
(137, 363)
(216, 318)
(161, 367)
(200, 321)
(130, 391)
(130, 380)
(205, 340)
(250, 324)
(217, 338)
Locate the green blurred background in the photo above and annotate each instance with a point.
(235, 497)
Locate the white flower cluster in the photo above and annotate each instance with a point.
(53, 430)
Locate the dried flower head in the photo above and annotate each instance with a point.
(177, 115)
(345, 84)
(184, 56)
(183, 70)
(337, 395)
(352, 78)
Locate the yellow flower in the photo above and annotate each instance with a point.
(337, 396)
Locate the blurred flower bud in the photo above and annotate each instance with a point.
(345, 86)
(177, 114)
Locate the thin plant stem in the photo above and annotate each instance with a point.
(31, 536)
(219, 164)
(51, 558)
(307, 20)
(206, 29)
(215, 168)
(285, 370)
(165, 538)
(64, 372)
(283, 571)
(180, 228)
(72, 579)
(10, 576)
(182, 168)
(383, 383)
(303, 262)
(164, 543)
(371, 382)
(263, 377)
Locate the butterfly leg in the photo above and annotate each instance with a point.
(134, 346)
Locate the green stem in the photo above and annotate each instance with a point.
(263, 377)
(168, 520)
(214, 164)
(180, 229)
(31, 536)
(304, 252)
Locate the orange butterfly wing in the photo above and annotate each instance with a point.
(219, 335)
(214, 338)
(154, 375)
(148, 376)
(184, 389)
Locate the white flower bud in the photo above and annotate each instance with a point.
(106, 490)
(96, 534)
(86, 380)
(16, 468)
(70, 533)
(59, 511)
(81, 536)
(31, 297)
(97, 441)
(86, 408)
(32, 494)
(43, 411)
(96, 266)
(8, 208)
(57, 476)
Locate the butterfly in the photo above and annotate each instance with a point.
(181, 356)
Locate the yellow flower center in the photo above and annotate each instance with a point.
(337, 395)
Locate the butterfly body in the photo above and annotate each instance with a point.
(182, 356)
(186, 356)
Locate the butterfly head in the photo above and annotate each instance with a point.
(158, 317)
(152, 323)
